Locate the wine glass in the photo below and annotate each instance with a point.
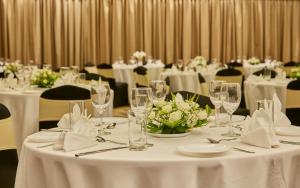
(100, 95)
(159, 90)
(179, 64)
(215, 97)
(231, 97)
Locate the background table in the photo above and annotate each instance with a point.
(159, 166)
(264, 90)
(24, 109)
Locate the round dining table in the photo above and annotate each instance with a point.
(24, 109)
(161, 165)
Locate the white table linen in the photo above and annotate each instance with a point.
(24, 109)
(250, 69)
(159, 166)
(261, 89)
(183, 81)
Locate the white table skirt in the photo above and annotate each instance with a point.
(160, 166)
(264, 90)
(24, 109)
(183, 81)
(250, 69)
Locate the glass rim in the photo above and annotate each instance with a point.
(141, 88)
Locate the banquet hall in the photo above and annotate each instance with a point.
(150, 93)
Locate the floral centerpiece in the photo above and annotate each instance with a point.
(13, 67)
(176, 116)
(198, 61)
(295, 73)
(253, 61)
(44, 78)
(139, 56)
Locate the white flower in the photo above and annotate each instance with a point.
(175, 116)
(202, 114)
(183, 106)
(151, 115)
(166, 109)
(159, 103)
(139, 55)
(45, 81)
(192, 120)
(253, 61)
(178, 98)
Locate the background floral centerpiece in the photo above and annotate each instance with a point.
(253, 61)
(139, 56)
(44, 78)
(176, 116)
(295, 73)
(13, 67)
(198, 62)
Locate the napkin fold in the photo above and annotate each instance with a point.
(44, 136)
(65, 121)
(280, 119)
(258, 130)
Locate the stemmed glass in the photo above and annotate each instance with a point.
(231, 97)
(100, 95)
(141, 100)
(159, 90)
(215, 97)
(179, 64)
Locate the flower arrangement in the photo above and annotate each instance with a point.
(12, 67)
(44, 78)
(198, 61)
(139, 55)
(295, 73)
(253, 61)
(176, 116)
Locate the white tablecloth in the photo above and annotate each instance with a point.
(250, 69)
(161, 166)
(24, 109)
(124, 73)
(183, 81)
(258, 90)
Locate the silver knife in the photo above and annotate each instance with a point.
(289, 142)
(99, 151)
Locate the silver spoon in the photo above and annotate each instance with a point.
(101, 139)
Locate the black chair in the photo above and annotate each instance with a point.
(291, 64)
(262, 72)
(229, 72)
(104, 66)
(140, 70)
(141, 77)
(234, 64)
(293, 102)
(54, 103)
(8, 153)
(168, 66)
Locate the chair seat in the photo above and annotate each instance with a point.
(121, 111)
(8, 167)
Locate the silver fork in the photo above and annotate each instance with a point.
(101, 139)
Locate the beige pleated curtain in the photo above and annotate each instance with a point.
(73, 32)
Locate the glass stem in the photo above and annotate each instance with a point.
(230, 124)
(217, 112)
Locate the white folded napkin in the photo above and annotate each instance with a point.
(258, 130)
(65, 123)
(280, 119)
(44, 136)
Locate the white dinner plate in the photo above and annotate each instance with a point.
(44, 136)
(169, 135)
(203, 149)
(288, 131)
(223, 117)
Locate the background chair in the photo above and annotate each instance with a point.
(293, 102)
(105, 70)
(230, 75)
(262, 72)
(54, 103)
(141, 77)
(236, 65)
(287, 67)
(8, 152)
(90, 67)
(203, 85)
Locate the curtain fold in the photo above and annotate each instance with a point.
(73, 32)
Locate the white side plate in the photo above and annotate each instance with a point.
(288, 131)
(203, 149)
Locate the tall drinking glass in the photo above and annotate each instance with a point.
(215, 97)
(180, 64)
(76, 109)
(159, 90)
(100, 95)
(231, 97)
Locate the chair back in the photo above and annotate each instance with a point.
(230, 75)
(141, 77)
(105, 70)
(293, 94)
(203, 85)
(262, 72)
(201, 99)
(288, 69)
(7, 136)
(291, 64)
(54, 103)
